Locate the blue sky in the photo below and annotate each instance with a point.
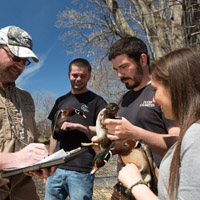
(38, 18)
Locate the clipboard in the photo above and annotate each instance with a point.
(70, 155)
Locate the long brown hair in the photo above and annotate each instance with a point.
(179, 71)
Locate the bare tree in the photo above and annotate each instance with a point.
(94, 25)
(44, 102)
(102, 80)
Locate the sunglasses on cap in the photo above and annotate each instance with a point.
(15, 58)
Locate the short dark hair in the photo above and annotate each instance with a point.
(80, 62)
(133, 47)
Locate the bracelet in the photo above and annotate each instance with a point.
(128, 191)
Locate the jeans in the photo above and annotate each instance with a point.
(63, 183)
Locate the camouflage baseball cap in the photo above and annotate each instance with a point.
(18, 41)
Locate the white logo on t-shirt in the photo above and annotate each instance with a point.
(147, 104)
(84, 108)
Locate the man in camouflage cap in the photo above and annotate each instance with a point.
(18, 41)
(17, 124)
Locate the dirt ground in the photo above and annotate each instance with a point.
(105, 179)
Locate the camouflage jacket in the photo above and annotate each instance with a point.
(16, 110)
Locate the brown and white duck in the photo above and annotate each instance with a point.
(64, 115)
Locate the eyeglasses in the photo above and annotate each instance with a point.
(26, 62)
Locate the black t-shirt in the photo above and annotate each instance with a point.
(91, 104)
(139, 109)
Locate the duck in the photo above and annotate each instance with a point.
(109, 112)
(102, 141)
(64, 115)
(130, 151)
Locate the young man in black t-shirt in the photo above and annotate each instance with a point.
(73, 178)
(141, 119)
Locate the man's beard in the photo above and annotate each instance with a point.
(136, 82)
(7, 76)
(137, 79)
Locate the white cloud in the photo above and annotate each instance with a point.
(30, 71)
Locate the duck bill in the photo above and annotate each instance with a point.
(93, 170)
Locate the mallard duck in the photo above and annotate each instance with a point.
(63, 116)
(130, 151)
(100, 160)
